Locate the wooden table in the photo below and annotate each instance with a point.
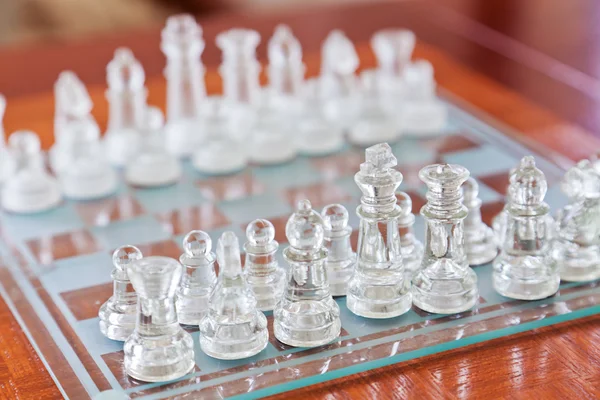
(530, 65)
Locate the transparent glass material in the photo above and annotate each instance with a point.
(126, 97)
(7, 162)
(262, 270)
(233, 328)
(286, 69)
(445, 284)
(341, 260)
(379, 288)
(182, 45)
(159, 349)
(480, 242)
(524, 269)
(576, 249)
(152, 165)
(71, 100)
(119, 314)
(412, 248)
(198, 278)
(30, 189)
(307, 315)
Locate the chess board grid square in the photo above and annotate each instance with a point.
(483, 160)
(144, 229)
(160, 200)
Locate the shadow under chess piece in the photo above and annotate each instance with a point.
(152, 165)
(576, 249)
(445, 284)
(307, 315)
(480, 242)
(119, 313)
(198, 278)
(31, 189)
(262, 270)
(233, 328)
(412, 248)
(524, 270)
(159, 349)
(379, 287)
(341, 260)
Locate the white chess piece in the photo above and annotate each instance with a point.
(85, 174)
(31, 189)
(7, 162)
(182, 45)
(152, 165)
(126, 96)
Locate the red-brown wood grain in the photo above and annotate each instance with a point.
(474, 46)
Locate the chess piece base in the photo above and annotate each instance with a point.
(29, 193)
(525, 278)
(319, 139)
(182, 137)
(480, 246)
(88, 182)
(424, 118)
(117, 323)
(236, 341)
(307, 323)
(222, 159)
(378, 301)
(153, 170)
(159, 358)
(268, 289)
(121, 146)
(367, 132)
(576, 263)
(444, 295)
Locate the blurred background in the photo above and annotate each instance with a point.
(26, 21)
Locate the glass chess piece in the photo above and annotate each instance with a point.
(152, 165)
(393, 49)
(262, 270)
(422, 113)
(31, 189)
(412, 248)
(119, 313)
(307, 315)
(576, 248)
(159, 349)
(182, 44)
(223, 151)
(198, 279)
(126, 97)
(233, 328)
(86, 174)
(379, 288)
(73, 106)
(445, 284)
(341, 260)
(7, 162)
(480, 242)
(524, 270)
(337, 84)
(500, 221)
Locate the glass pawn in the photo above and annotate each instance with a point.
(307, 315)
(523, 270)
(341, 260)
(445, 284)
(412, 248)
(262, 271)
(480, 242)
(182, 44)
(233, 328)
(152, 165)
(118, 315)
(31, 189)
(198, 278)
(379, 288)
(158, 349)
(576, 249)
